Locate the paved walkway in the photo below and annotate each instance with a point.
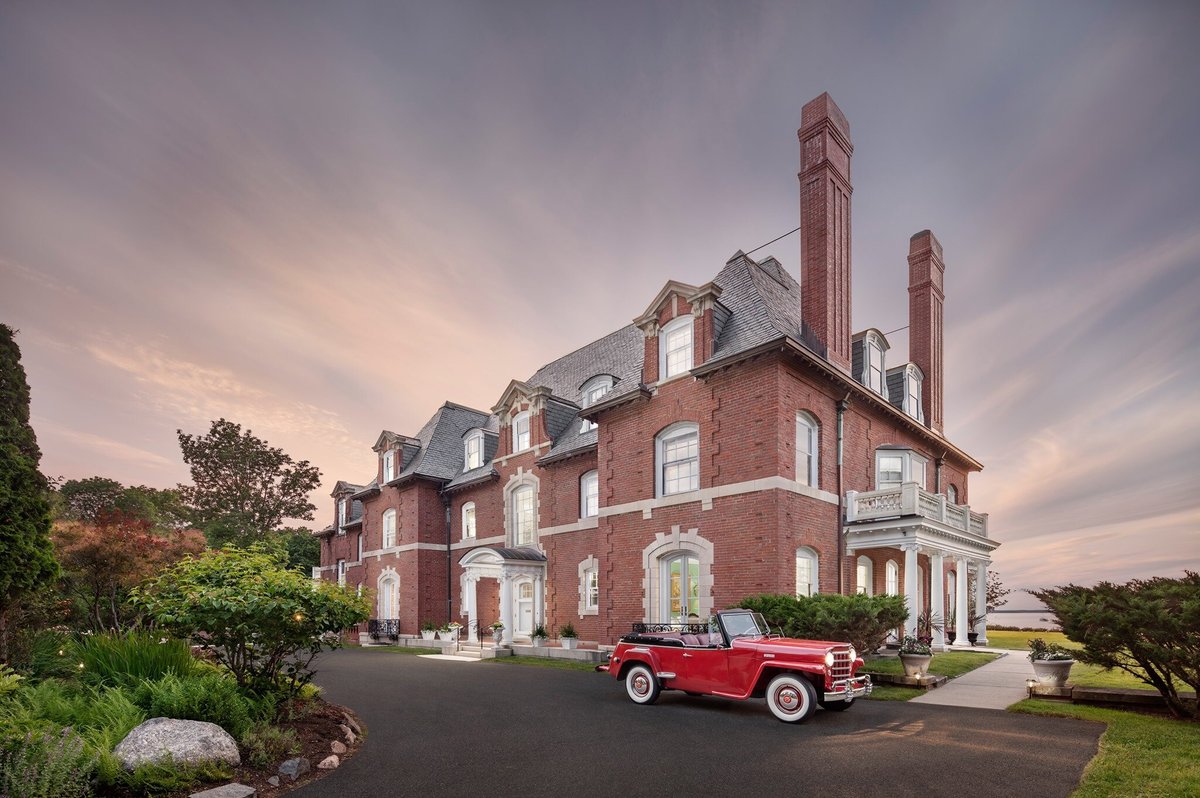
(996, 685)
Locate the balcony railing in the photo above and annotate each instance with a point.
(389, 628)
(910, 499)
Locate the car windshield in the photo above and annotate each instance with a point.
(744, 624)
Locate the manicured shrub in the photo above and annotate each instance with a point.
(211, 697)
(47, 765)
(266, 745)
(864, 621)
(130, 658)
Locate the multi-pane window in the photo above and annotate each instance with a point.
(807, 449)
(389, 466)
(806, 572)
(524, 520)
(473, 451)
(679, 460)
(912, 398)
(916, 471)
(589, 495)
(952, 494)
(468, 520)
(892, 578)
(593, 391)
(341, 572)
(890, 469)
(681, 599)
(865, 575)
(591, 589)
(520, 432)
(893, 466)
(676, 344)
(343, 511)
(874, 366)
(389, 528)
(360, 547)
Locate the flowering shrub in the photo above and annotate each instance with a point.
(912, 645)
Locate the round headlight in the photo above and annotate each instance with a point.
(829, 659)
(853, 654)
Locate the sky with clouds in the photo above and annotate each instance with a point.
(225, 209)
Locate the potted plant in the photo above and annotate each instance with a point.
(927, 624)
(1051, 662)
(428, 630)
(539, 635)
(497, 633)
(915, 656)
(567, 636)
(973, 622)
(951, 628)
(450, 631)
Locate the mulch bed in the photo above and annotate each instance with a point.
(316, 723)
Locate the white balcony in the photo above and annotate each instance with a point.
(909, 499)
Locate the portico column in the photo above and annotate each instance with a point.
(937, 598)
(539, 598)
(472, 610)
(506, 608)
(960, 602)
(981, 601)
(910, 588)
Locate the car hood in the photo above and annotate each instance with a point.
(788, 645)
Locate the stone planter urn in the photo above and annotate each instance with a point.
(448, 635)
(915, 664)
(1052, 672)
(569, 642)
(498, 636)
(538, 642)
(428, 634)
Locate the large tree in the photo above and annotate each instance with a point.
(26, 555)
(243, 488)
(90, 500)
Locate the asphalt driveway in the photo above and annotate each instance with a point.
(453, 728)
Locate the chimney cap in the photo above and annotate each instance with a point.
(922, 241)
(821, 108)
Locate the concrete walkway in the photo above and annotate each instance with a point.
(996, 685)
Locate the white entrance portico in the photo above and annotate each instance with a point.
(522, 576)
(917, 522)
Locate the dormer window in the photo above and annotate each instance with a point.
(895, 466)
(473, 450)
(912, 392)
(872, 360)
(520, 432)
(593, 391)
(389, 466)
(343, 512)
(675, 348)
(874, 373)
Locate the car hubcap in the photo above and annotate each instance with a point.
(788, 699)
(641, 685)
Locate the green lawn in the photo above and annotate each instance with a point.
(1081, 674)
(893, 692)
(1020, 640)
(950, 663)
(546, 662)
(1142, 755)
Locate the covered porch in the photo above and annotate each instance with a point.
(521, 574)
(952, 538)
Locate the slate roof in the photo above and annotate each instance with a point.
(618, 353)
(441, 454)
(895, 386)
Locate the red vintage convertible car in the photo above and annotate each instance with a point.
(736, 656)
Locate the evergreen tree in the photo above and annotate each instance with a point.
(26, 553)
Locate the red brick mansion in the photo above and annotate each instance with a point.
(736, 438)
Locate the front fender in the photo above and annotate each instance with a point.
(769, 669)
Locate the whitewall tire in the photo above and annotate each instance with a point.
(791, 698)
(641, 685)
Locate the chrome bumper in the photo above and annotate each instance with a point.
(849, 689)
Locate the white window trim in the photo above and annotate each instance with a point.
(600, 381)
(475, 437)
(665, 546)
(864, 566)
(517, 481)
(587, 568)
(592, 479)
(907, 473)
(469, 531)
(891, 578)
(341, 573)
(383, 526)
(389, 465)
(809, 554)
(526, 417)
(663, 335)
(677, 430)
(913, 384)
(951, 493)
(343, 515)
(807, 424)
(389, 575)
(360, 547)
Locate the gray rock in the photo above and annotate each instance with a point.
(352, 723)
(185, 742)
(295, 768)
(227, 791)
(338, 747)
(273, 781)
(329, 763)
(350, 738)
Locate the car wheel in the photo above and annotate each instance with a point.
(837, 706)
(791, 698)
(641, 685)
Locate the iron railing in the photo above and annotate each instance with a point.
(384, 627)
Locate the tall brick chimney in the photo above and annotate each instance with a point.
(825, 151)
(925, 299)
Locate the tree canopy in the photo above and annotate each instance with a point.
(243, 488)
(90, 500)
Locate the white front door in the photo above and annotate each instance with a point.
(524, 610)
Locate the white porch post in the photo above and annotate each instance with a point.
(960, 602)
(937, 598)
(981, 601)
(910, 588)
(506, 615)
(472, 610)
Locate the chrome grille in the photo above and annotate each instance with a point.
(841, 664)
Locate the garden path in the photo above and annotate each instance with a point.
(996, 685)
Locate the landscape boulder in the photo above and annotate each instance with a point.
(183, 742)
(295, 768)
(329, 763)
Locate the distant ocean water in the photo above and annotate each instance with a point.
(1032, 620)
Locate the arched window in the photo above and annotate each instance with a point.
(952, 494)
(807, 572)
(523, 515)
(866, 575)
(473, 450)
(808, 440)
(389, 528)
(589, 495)
(892, 578)
(468, 520)
(389, 465)
(913, 376)
(678, 454)
(681, 582)
(952, 593)
(388, 596)
(520, 432)
(675, 348)
(592, 392)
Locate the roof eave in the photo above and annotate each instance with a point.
(640, 392)
(558, 457)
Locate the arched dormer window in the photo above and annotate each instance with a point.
(389, 528)
(808, 447)
(592, 392)
(874, 360)
(913, 377)
(473, 450)
(520, 432)
(389, 465)
(468, 520)
(807, 572)
(678, 459)
(675, 348)
(866, 575)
